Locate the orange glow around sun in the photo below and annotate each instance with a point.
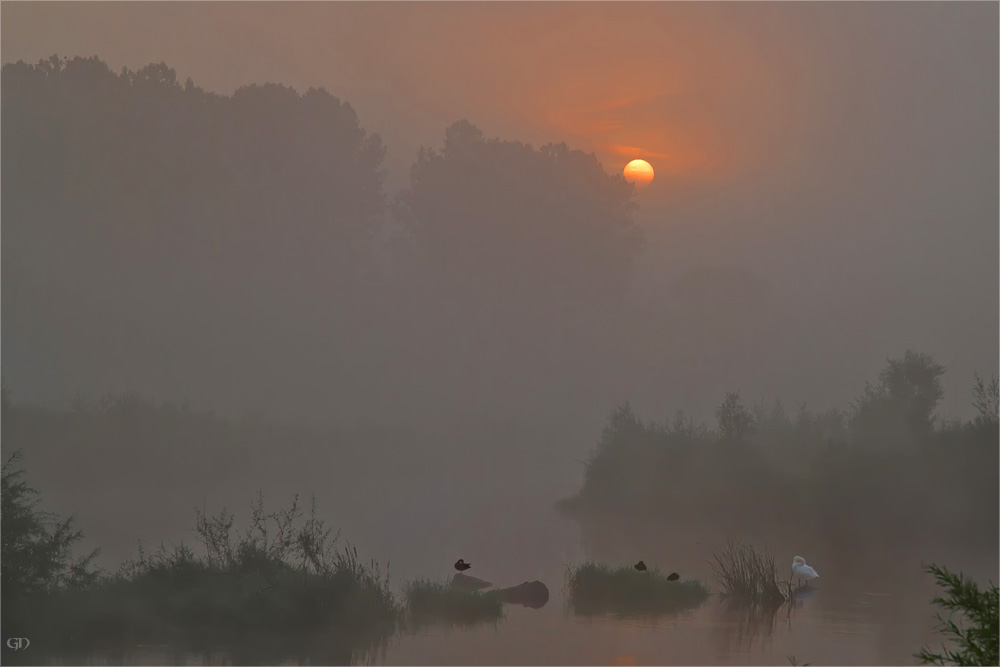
(639, 172)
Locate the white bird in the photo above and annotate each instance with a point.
(803, 571)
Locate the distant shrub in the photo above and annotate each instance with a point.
(987, 401)
(808, 468)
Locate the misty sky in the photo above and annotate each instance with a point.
(831, 168)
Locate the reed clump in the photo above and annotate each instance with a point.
(748, 574)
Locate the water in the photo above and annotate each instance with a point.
(855, 617)
(871, 604)
(868, 630)
(846, 620)
(712, 634)
(864, 629)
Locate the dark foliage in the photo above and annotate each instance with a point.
(977, 643)
(281, 579)
(828, 469)
(531, 225)
(900, 407)
(37, 554)
(181, 231)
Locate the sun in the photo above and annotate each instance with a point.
(639, 172)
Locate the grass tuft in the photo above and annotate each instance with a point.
(596, 588)
(748, 575)
(434, 602)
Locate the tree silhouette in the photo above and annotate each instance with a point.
(987, 401)
(499, 222)
(141, 214)
(901, 405)
(734, 419)
(37, 546)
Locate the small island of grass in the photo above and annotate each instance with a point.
(596, 588)
(435, 602)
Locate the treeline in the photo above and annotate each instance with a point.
(130, 432)
(155, 232)
(887, 464)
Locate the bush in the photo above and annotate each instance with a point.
(976, 644)
(37, 546)
(280, 582)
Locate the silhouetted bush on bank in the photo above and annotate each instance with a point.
(280, 577)
(977, 642)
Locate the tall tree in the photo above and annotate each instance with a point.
(900, 407)
(142, 214)
(521, 229)
(735, 420)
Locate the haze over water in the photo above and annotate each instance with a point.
(383, 253)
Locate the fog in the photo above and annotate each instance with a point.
(854, 183)
(389, 248)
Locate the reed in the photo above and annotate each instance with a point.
(748, 574)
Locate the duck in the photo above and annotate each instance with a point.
(673, 576)
(640, 566)
(461, 565)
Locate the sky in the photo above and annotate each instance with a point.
(832, 166)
